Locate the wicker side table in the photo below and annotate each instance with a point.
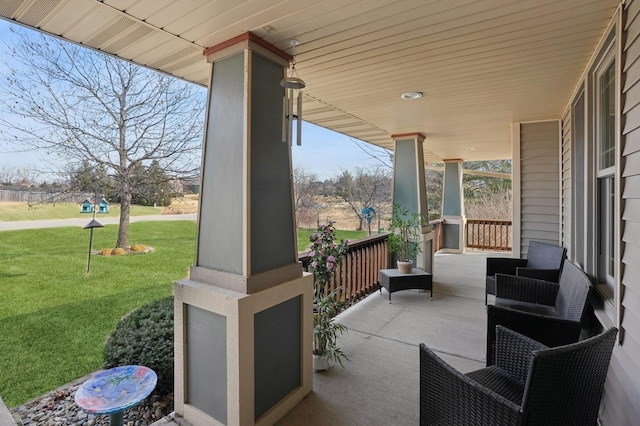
(392, 280)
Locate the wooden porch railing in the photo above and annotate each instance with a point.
(358, 272)
(489, 234)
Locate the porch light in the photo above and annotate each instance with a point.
(411, 95)
(293, 86)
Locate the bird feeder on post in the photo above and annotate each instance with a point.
(91, 225)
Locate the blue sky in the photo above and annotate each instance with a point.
(327, 153)
(323, 152)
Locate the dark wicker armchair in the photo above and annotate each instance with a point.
(529, 385)
(543, 262)
(547, 312)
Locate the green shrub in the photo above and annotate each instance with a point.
(145, 337)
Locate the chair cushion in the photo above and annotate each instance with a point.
(491, 284)
(545, 256)
(500, 382)
(534, 308)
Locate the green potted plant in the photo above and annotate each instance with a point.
(405, 231)
(325, 256)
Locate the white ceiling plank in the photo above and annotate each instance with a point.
(481, 64)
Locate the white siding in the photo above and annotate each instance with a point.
(539, 174)
(622, 390)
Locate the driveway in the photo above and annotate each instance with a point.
(82, 221)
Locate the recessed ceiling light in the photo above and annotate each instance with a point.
(469, 149)
(411, 95)
(268, 29)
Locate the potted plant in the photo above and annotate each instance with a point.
(404, 237)
(325, 255)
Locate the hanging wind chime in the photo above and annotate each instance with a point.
(293, 86)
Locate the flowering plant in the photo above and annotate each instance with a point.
(326, 255)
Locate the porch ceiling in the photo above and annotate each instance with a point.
(480, 64)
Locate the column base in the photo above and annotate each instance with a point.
(242, 359)
(453, 234)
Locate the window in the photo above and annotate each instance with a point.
(605, 175)
(607, 117)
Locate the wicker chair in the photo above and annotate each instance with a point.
(529, 385)
(544, 262)
(547, 312)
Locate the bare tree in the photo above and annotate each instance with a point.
(85, 106)
(305, 189)
(8, 175)
(366, 188)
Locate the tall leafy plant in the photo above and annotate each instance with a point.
(326, 254)
(404, 233)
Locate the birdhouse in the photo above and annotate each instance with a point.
(87, 206)
(104, 206)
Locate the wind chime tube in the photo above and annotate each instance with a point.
(290, 117)
(284, 117)
(299, 129)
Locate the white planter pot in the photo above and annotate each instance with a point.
(405, 267)
(320, 363)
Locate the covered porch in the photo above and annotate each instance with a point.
(552, 85)
(379, 384)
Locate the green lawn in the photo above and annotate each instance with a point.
(22, 211)
(54, 320)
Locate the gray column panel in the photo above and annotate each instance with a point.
(220, 237)
(405, 182)
(278, 346)
(451, 236)
(206, 338)
(272, 223)
(452, 195)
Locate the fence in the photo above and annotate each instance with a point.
(33, 195)
(489, 234)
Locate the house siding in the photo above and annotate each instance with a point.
(566, 182)
(539, 176)
(619, 403)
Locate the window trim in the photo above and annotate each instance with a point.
(609, 50)
(605, 277)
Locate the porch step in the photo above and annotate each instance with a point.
(171, 420)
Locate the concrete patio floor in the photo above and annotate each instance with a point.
(379, 384)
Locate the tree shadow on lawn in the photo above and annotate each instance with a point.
(45, 349)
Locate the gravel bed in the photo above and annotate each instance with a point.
(57, 408)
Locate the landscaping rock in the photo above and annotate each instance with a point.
(58, 408)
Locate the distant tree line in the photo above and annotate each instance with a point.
(486, 197)
(360, 188)
(153, 186)
(150, 184)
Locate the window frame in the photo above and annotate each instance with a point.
(605, 175)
